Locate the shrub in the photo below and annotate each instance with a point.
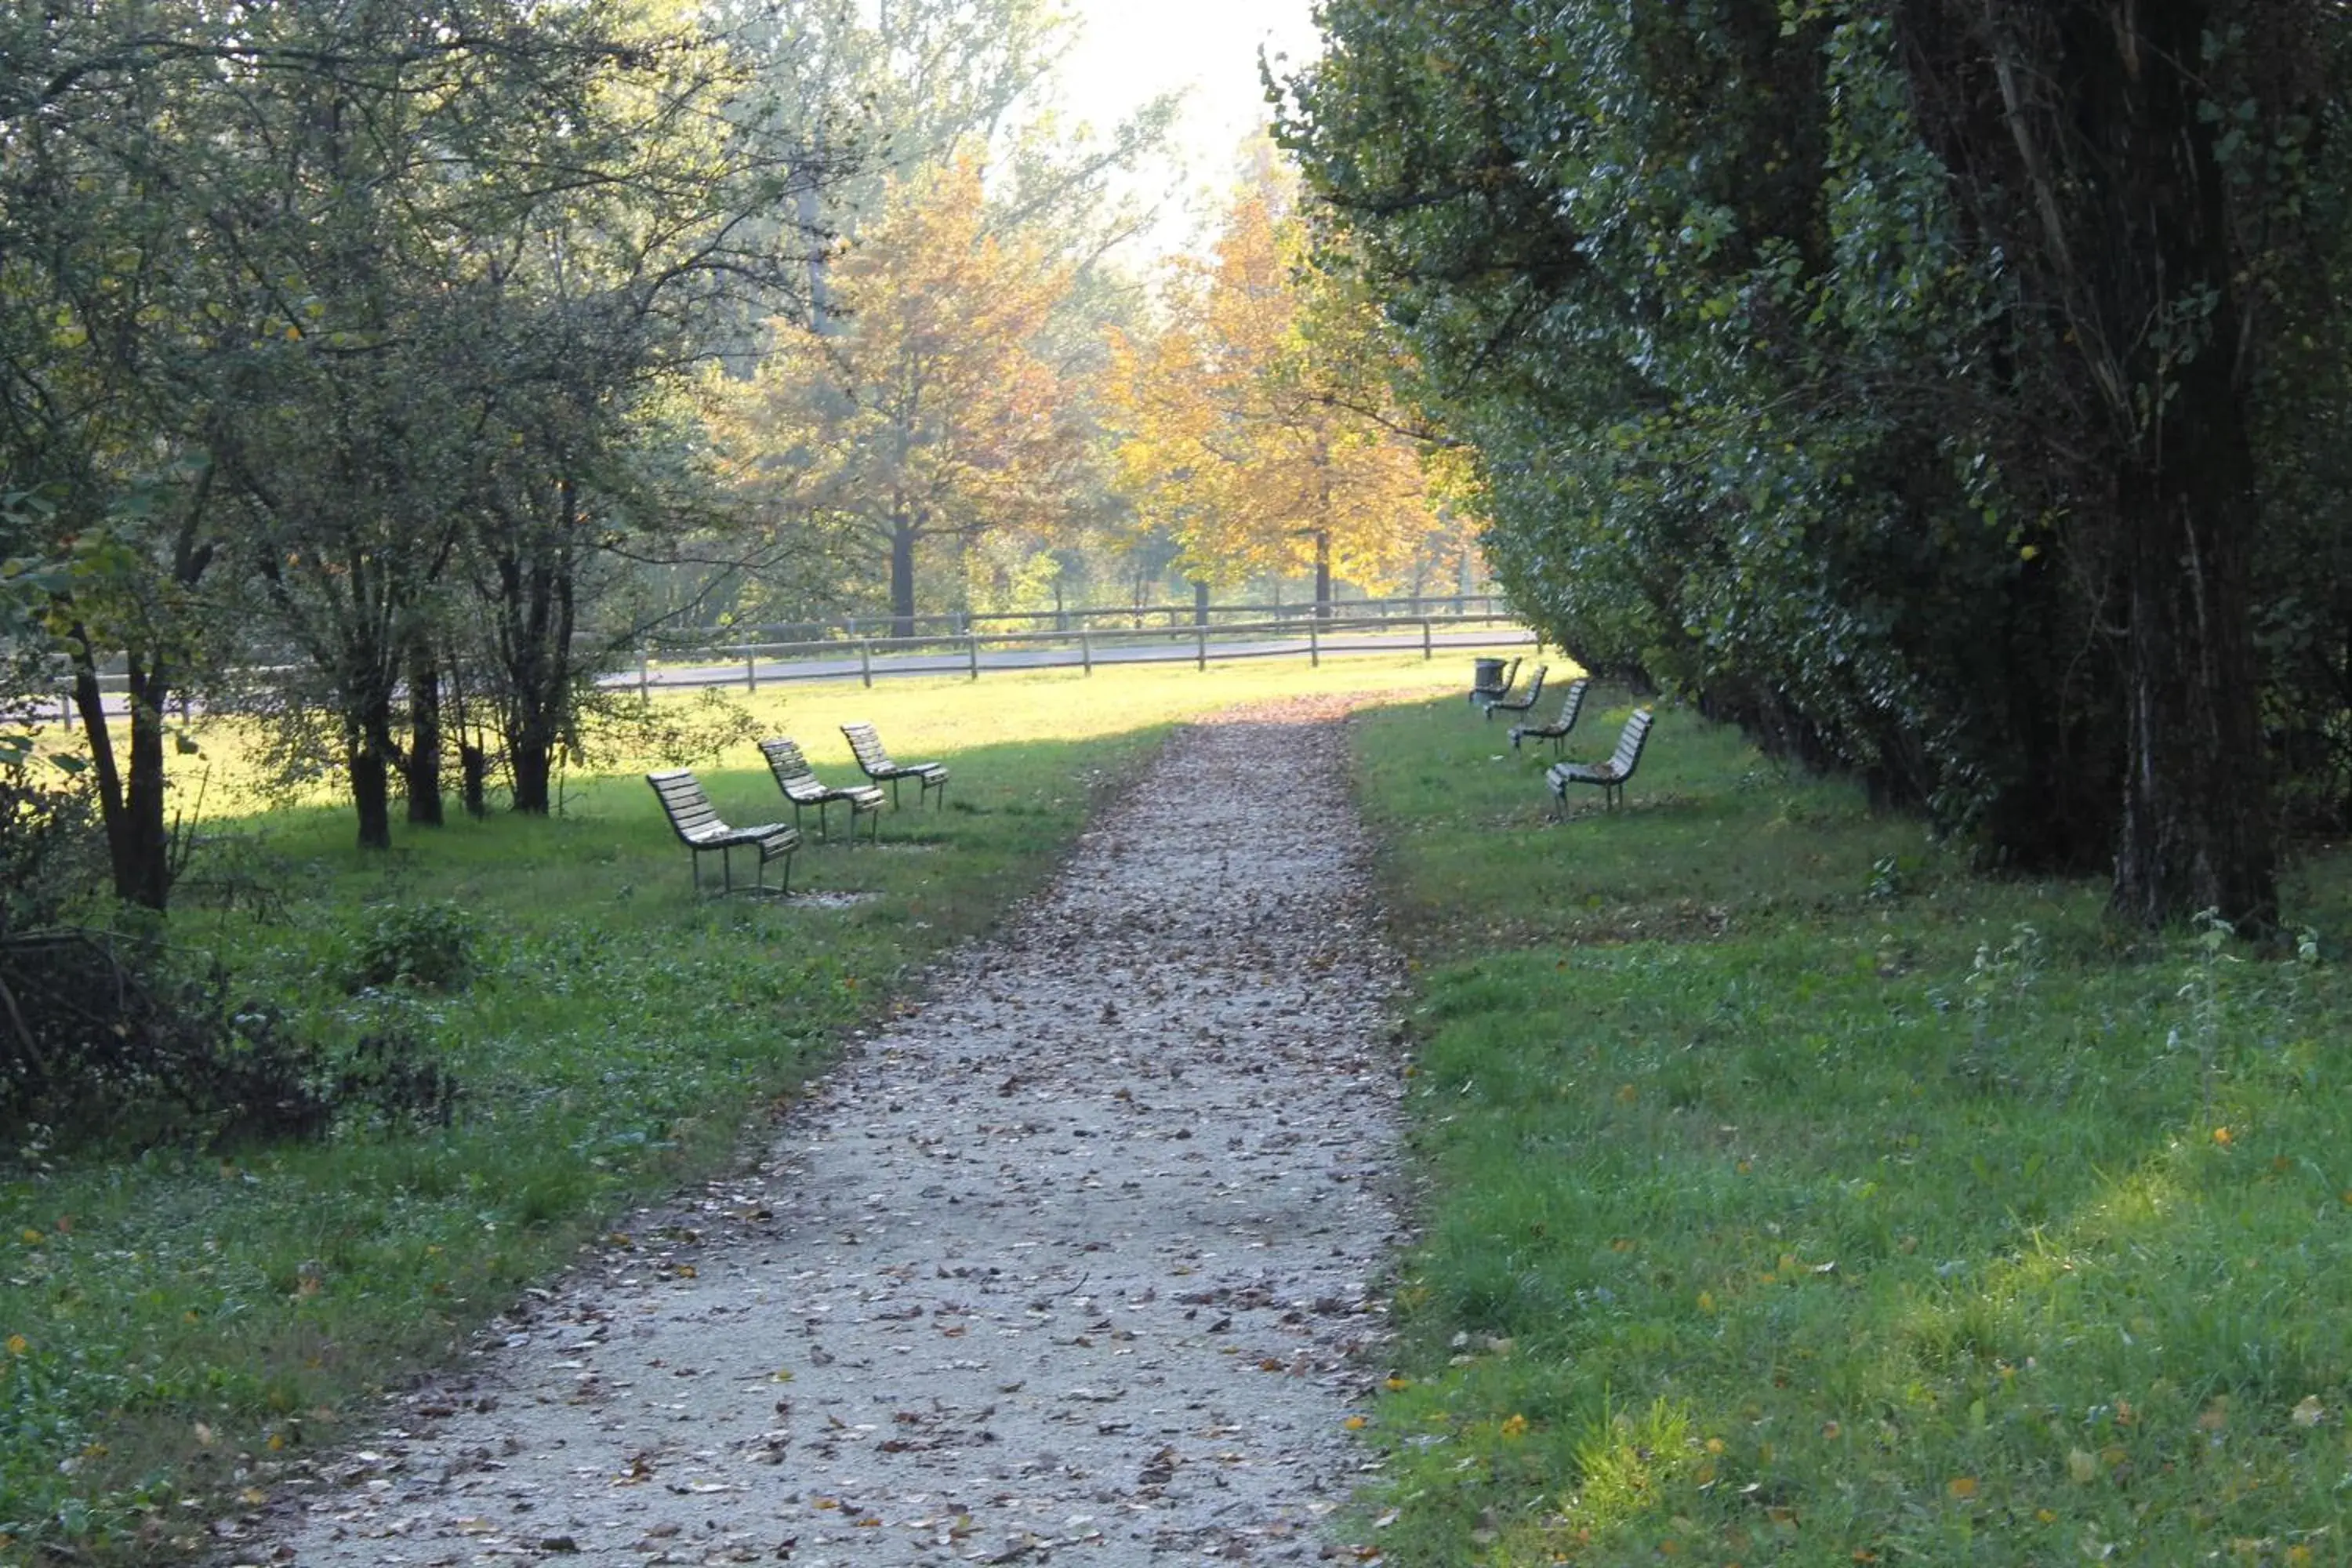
(107, 1037)
(429, 945)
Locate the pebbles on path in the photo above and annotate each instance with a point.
(1073, 1262)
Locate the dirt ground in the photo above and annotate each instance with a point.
(1073, 1262)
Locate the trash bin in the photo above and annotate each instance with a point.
(1489, 676)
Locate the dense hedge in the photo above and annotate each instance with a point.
(1790, 392)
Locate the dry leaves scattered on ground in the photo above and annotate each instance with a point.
(1071, 1261)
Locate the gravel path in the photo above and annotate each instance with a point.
(1072, 1263)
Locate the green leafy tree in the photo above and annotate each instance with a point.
(1796, 348)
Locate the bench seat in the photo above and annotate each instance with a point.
(1523, 701)
(1481, 692)
(875, 762)
(701, 829)
(1571, 704)
(1610, 775)
(803, 788)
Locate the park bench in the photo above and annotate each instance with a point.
(803, 788)
(1572, 703)
(1492, 680)
(702, 830)
(1610, 776)
(1524, 701)
(866, 746)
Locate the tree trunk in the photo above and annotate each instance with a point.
(530, 755)
(148, 881)
(130, 800)
(2080, 133)
(1322, 574)
(1200, 602)
(420, 770)
(371, 773)
(539, 609)
(902, 577)
(2196, 832)
(473, 776)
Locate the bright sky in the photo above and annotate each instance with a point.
(1132, 50)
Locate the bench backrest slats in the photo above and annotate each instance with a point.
(1573, 704)
(688, 809)
(1630, 742)
(867, 745)
(793, 775)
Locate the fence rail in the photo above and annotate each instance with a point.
(869, 658)
(958, 625)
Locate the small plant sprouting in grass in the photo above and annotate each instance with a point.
(396, 1079)
(2201, 989)
(1623, 1458)
(2001, 977)
(1887, 880)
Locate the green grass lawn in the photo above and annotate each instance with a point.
(177, 1324)
(1795, 1196)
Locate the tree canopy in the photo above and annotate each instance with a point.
(1254, 425)
(1907, 383)
(313, 313)
(923, 406)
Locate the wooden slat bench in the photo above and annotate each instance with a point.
(702, 830)
(1522, 702)
(866, 746)
(803, 788)
(1610, 776)
(1572, 703)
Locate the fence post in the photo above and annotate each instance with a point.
(644, 674)
(1314, 647)
(866, 660)
(1086, 649)
(1427, 651)
(971, 650)
(1200, 648)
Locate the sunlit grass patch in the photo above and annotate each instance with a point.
(1953, 1223)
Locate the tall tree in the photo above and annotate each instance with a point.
(1251, 430)
(110, 115)
(925, 412)
(1838, 363)
(2123, 164)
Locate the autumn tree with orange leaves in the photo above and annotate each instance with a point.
(1254, 428)
(925, 409)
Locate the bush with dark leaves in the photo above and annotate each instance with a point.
(429, 945)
